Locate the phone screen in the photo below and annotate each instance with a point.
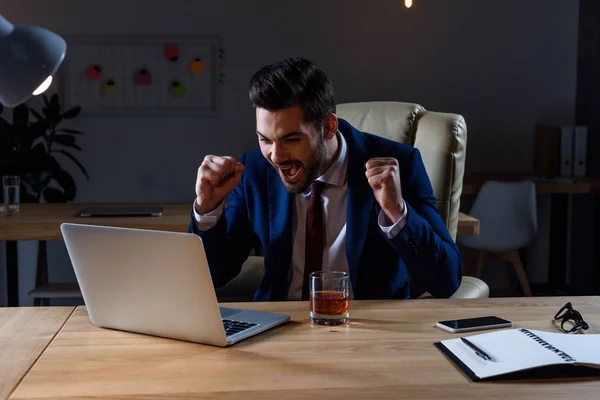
(474, 322)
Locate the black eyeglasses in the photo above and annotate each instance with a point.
(572, 320)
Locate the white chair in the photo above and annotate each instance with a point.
(508, 222)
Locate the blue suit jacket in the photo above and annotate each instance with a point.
(260, 208)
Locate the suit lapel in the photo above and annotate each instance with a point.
(280, 233)
(360, 200)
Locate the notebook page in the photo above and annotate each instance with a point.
(583, 348)
(511, 350)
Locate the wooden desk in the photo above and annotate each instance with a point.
(42, 222)
(24, 335)
(473, 182)
(385, 352)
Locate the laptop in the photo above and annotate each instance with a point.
(155, 283)
(121, 211)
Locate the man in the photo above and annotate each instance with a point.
(321, 193)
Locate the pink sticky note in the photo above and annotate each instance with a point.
(142, 77)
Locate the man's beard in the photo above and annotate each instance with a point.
(313, 169)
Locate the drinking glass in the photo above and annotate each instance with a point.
(329, 297)
(11, 193)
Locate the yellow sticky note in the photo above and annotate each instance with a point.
(109, 87)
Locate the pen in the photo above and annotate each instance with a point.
(477, 350)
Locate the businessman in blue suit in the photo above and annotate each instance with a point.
(320, 195)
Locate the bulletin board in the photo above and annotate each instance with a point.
(148, 76)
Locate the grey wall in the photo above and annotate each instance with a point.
(505, 65)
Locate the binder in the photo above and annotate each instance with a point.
(580, 151)
(524, 353)
(547, 151)
(566, 151)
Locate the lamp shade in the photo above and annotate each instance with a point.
(29, 56)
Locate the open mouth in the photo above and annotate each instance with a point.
(291, 173)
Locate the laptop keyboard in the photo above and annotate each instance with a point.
(233, 327)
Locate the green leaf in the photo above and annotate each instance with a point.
(67, 141)
(51, 165)
(51, 115)
(4, 127)
(52, 195)
(52, 110)
(65, 180)
(72, 158)
(36, 114)
(36, 130)
(72, 113)
(54, 102)
(33, 160)
(20, 115)
(27, 197)
(71, 131)
(40, 184)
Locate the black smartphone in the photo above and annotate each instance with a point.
(474, 324)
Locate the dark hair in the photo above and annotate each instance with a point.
(294, 81)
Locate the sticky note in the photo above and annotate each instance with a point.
(172, 52)
(142, 77)
(94, 72)
(177, 89)
(196, 66)
(109, 87)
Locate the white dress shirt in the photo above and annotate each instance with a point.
(334, 196)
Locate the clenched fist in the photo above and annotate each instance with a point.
(384, 177)
(217, 177)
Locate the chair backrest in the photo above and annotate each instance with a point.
(440, 137)
(507, 213)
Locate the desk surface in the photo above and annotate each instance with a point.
(42, 221)
(385, 352)
(24, 335)
(473, 182)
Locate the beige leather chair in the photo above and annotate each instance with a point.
(442, 140)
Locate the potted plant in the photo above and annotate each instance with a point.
(32, 148)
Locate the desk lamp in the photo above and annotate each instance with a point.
(29, 56)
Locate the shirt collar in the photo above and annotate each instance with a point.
(336, 173)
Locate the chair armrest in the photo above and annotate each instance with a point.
(470, 288)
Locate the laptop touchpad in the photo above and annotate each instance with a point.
(228, 312)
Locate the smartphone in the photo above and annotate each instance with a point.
(474, 324)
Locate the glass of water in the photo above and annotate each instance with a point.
(11, 192)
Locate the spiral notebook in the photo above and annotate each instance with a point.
(525, 353)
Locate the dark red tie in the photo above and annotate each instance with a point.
(315, 236)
